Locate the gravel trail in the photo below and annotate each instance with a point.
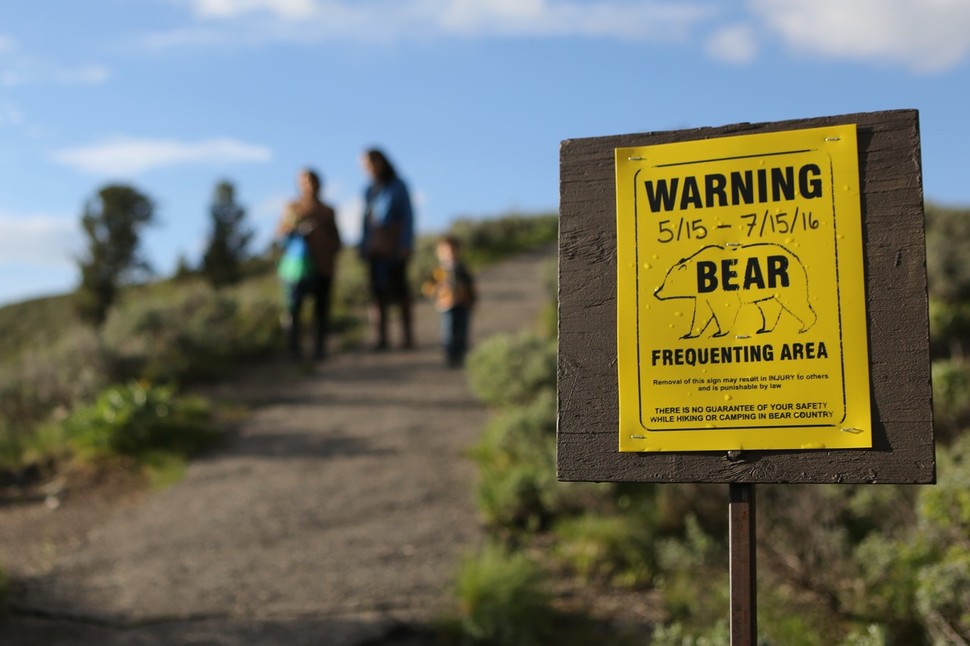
(335, 514)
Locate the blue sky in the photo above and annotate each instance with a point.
(470, 98)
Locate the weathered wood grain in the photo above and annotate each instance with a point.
(896, 301)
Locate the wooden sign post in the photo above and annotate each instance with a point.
(745, 304)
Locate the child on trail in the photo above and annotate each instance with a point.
(452, 289)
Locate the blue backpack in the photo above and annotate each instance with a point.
(296, 262)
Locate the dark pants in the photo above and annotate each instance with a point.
(319, 288)
(389, 286)
(454, 334)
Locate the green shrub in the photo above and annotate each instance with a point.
(505, 370)
(949, 328)
(943, 586)
(257, 317)
(903, 554)
(516, 458)
(351, 288)
(517, 474)
(947, 237)
(516, 497)
(677, 635)
(487, 240)
(193, 333)
(140, 420)
(692, 576)
(945, 508)
(871, 635)
(32, 324)
(951, 397)
(615, 549)
(883, 577)
(943, 596)
(550, 313)
(42, 382)
(503, 599)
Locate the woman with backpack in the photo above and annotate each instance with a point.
(311, 241)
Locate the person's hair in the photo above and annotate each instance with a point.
(451, 241)
(315, 181)
(383, 168)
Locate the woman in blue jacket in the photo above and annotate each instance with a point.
(387, 243)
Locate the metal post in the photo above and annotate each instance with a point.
(744, 598)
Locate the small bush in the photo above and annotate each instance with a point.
(549, 321)
(257, 318)
(943, 586)
(951, 405)
(42, 382)
(351, 289)
(949, 329)
(943, 596)
(503, 600)
(677, 635)
(516, 458)
(692, 575)
(887, 569)
(487, 240)
(614, 549)
(947, 233)
(139, 420)
(505, 370)
(192, 334)
(871, 635)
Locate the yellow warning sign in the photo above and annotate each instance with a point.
(741, 317)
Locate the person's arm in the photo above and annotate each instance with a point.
(365, 219)
(339, 243)
(401, 213)
(287, 221)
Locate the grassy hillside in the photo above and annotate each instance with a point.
(29, 323)
(179, 331)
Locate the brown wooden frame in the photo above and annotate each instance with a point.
(896, 304)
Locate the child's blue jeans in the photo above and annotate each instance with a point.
(454, 334)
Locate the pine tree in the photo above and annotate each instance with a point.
(229, 238)
(112, 224)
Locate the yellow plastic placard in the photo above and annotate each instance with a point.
(741, 318)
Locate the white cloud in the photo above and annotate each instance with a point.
(126, 156)
(289, 9)
(10, 115)
(654, 20)
(87, 75)
(7, 44)
(314, 20)
(39, 240)
(26, 72)
(19, 68)
(735, 44)
(922, 35)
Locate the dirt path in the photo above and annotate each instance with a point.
(336, 515)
